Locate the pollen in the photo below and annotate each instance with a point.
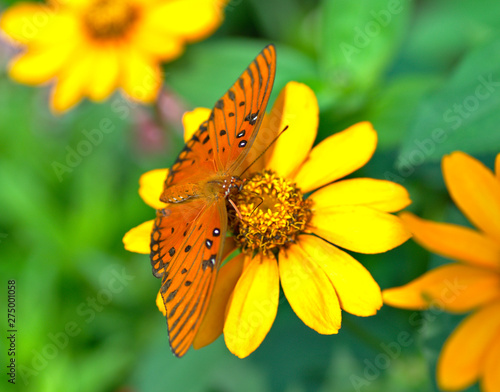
(110, 19)
(271, 213)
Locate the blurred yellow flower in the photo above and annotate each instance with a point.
(472, 352)
(89, 48)
(288, 238)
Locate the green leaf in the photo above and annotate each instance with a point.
(439, 36)
(358, 41)
(208, 69)
(393, 108)
(462, 115)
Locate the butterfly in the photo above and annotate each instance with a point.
(188, 235)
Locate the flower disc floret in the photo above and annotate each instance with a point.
(110, 19)
(272, 212)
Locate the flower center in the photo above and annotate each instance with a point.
(107, 19)
(273, 212)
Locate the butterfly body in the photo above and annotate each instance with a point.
(188, 234)
(211, 189)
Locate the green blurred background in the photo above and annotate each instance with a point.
(86, 316)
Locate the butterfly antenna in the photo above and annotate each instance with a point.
(265, 150)
(258, 205)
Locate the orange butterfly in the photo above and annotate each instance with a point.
(188, 235)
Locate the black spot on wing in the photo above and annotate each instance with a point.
(171, 296)
(252, 117)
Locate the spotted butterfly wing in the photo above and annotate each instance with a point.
(188, 235)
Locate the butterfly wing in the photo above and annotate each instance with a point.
(236, 117)
(222, 142)
(187, 243)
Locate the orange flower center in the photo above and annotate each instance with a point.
(108, 19)
(273, 212)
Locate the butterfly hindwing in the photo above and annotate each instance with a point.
(189, 270)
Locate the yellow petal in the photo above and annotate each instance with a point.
(337, 156)
(453, 241)
(187, 20)
(297, 107)
(490, 375)
(104, 76)
(379, 194)
(192, 121)
(18, 21)
(36, 24)
(453, 287)
(358, 292)
(70, 86)
(160, 304)
(156, 43)
(253, 306)
(462, 357)
(138, 239)
(497, 167)
(358, 228)
(151, 187)
(309, 291)
(213, 323)
(475, 191)
(39, 65)
(141, 78)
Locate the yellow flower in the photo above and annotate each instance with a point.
(91, 47)
(288, 238)
(472, 352)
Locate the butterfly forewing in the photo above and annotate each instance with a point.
(236, 117)
(196, 162)
(222, 143)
